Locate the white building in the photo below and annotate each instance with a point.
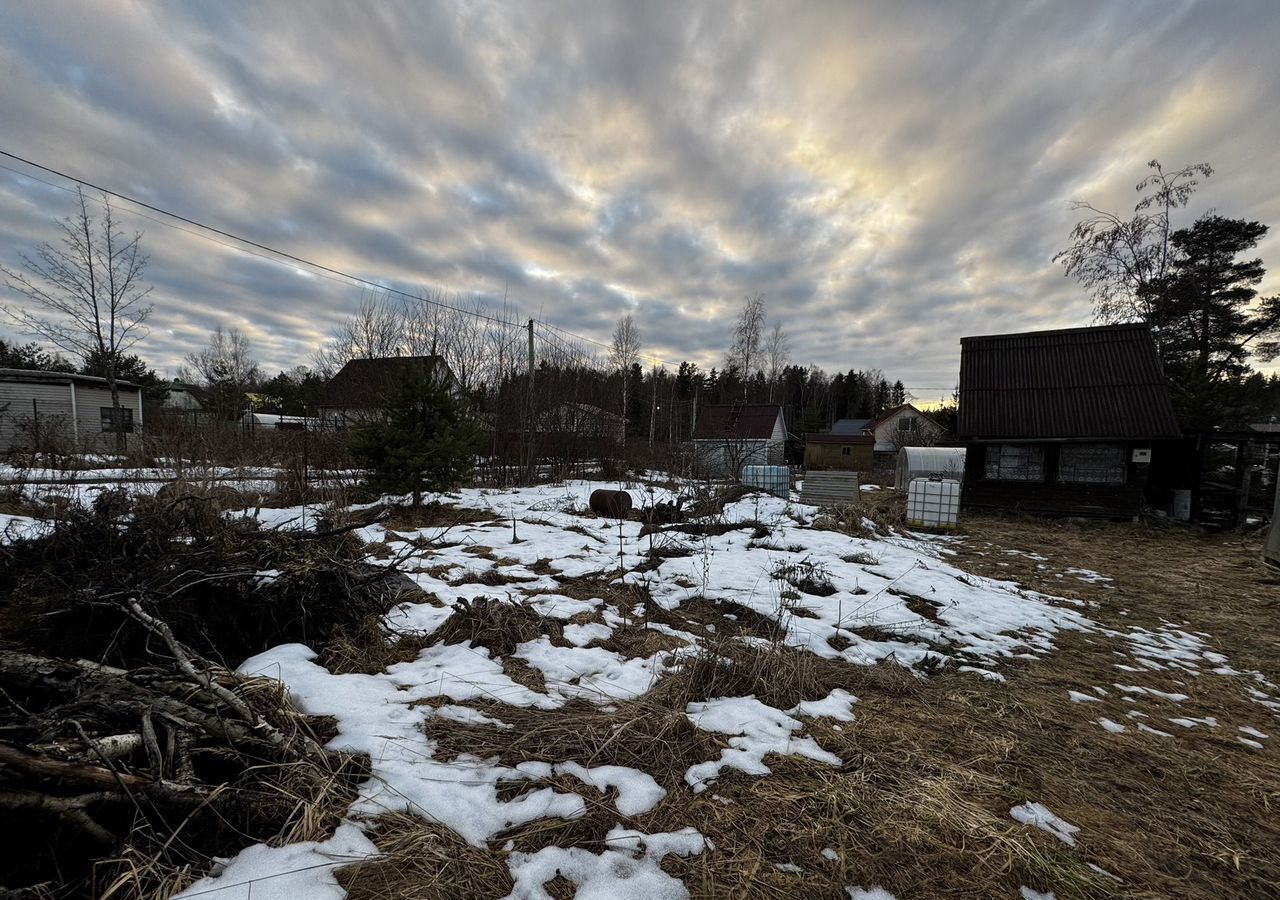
(58, 410)
(731, 436)
(901, 426)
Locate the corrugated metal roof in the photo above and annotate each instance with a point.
(1101, 382)
(850, 426)
(754, 421)
(40, 376)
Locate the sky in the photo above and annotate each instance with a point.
(889, 176)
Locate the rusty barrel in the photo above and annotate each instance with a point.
(614, 504)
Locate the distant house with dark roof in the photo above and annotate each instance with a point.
(47, 411)
(730, 436)
(1064, 422)
(358, 392)
(583, 420)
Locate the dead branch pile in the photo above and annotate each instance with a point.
(130, 751)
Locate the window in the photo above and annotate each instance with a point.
(1092, 464)
(909, 424)
(1014, 462)
(126, 420)
(846, 451)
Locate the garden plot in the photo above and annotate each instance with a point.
(764, 580)
(588, 701)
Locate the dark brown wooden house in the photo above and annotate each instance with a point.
(358, 392)
(1064, 422)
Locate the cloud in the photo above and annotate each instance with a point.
(888, 177)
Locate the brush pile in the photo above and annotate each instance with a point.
(130, 750)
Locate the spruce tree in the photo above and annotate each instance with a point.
(424, 440)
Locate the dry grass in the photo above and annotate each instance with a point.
(931, 766)
(424, 862)
(435, 515)
(500, 625)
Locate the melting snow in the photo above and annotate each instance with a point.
(304, 869)
(627, 870)
(758, 731)
(872, 893)
(1041, 817)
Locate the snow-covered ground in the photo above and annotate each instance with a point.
(848, 600)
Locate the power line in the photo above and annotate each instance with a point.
(281, 254)
(243, 244)
(574, 334)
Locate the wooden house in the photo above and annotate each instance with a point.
(1065, 422)
(358, 393)
(898, 427)
(847, 446)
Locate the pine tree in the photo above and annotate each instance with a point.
(423, 442)
(1213, 318)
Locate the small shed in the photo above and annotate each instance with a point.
(731, 436)
(1064, 422)
(58, 410)
(851, 452)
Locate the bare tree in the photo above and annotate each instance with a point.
(748, 337)
(777, 350)
(1120, 261)
(88, 293)
(624, 350)
(225, 368)
(464, 344)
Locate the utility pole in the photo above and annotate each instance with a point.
(653, 405)
(528, 428)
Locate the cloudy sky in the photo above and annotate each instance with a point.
(890, 176)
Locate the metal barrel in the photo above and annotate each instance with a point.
(614, 504)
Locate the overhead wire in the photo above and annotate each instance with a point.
(248, 245)
(277, 254)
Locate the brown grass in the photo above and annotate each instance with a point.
(436, 515)
(932, 766)
(500, 625)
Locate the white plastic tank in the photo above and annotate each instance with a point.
(774, 479)
(933, 503)
(922, 462)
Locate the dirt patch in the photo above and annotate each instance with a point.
(744, 620)
(922, 607)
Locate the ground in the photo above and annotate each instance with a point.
(776, 702)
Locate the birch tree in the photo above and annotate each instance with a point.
(1123, 260)
(624, 350)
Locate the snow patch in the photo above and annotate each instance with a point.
(1040, 816)
(757, 730)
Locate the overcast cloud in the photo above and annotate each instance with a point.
(890, 176)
